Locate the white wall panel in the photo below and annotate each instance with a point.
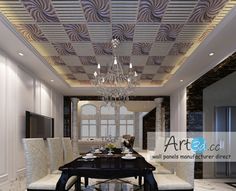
(57, 114)
(25, 97)
(37, 96)
(3, 140)
(46, 103)
(21, 91)
(11, 113)
(178, 110)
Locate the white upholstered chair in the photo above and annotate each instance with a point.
(67, 150)
(55, 154)
(38, 178)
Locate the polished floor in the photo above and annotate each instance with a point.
(199, 185)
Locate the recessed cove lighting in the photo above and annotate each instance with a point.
(52, 80)
(181, 80)
(20, 53)
(211, 54)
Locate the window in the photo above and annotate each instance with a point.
(126, 122)
(88, 121)
(108, 124)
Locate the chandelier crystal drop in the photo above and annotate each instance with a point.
(115, 86)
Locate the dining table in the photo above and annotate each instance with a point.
(109, 165)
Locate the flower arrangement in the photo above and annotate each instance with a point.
(110, 146)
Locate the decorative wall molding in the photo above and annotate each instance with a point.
(21, 91)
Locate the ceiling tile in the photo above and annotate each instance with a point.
(138, 60)
(76, 69)
(151, 10)
(31, 32)
(64, 48)
(180, 48)
(141, 48)
(16, 12)
(88, 60)
(157, 36)
(155, 60)
(104, 60)
(125, 49)
(171, 60)
(71, 60)
(45, 49)
(160, 76)
(206, 10)
(90, 69)
(191, 32)
(54, 33)
(69, 11)
(55, 60)
(41, 11)
(123, 32)
(150, 69)
(146, 32)
(178, 11)
(124, 10)
(77, 32)
(100, 32)
(102, 48)
(147, 76)
(96, 10)
(81, 76)
(83, 49)
(168, 32)
(160, 48)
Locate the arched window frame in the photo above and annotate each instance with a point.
(88, 123)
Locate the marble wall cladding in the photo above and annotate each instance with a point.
(149, 120)
(195, 91)
(195, 98)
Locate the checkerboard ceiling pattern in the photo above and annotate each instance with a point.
(156, 36)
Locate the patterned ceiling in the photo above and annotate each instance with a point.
(156, 36)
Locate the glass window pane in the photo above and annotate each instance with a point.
(122, 121)
(84, 131)
(103, 121)
(111, 122)
(103, 130)
(122, 130)
(107, 110)
(93, 131)
(130, 121)
(92, 121)
(84, 122)
(88, 110)
(130, 129)
(112, 131)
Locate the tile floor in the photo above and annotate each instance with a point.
(199, 185)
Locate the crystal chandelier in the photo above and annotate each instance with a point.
(115, 86)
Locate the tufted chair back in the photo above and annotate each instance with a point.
(36, 159)
(55, 153)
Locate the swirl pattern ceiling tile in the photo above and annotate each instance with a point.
(73, 36)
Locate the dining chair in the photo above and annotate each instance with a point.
(38, 178)
(55, 154)
(67, 150)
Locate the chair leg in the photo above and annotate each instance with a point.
(78, 184)
(86, 181)
(140, 181)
